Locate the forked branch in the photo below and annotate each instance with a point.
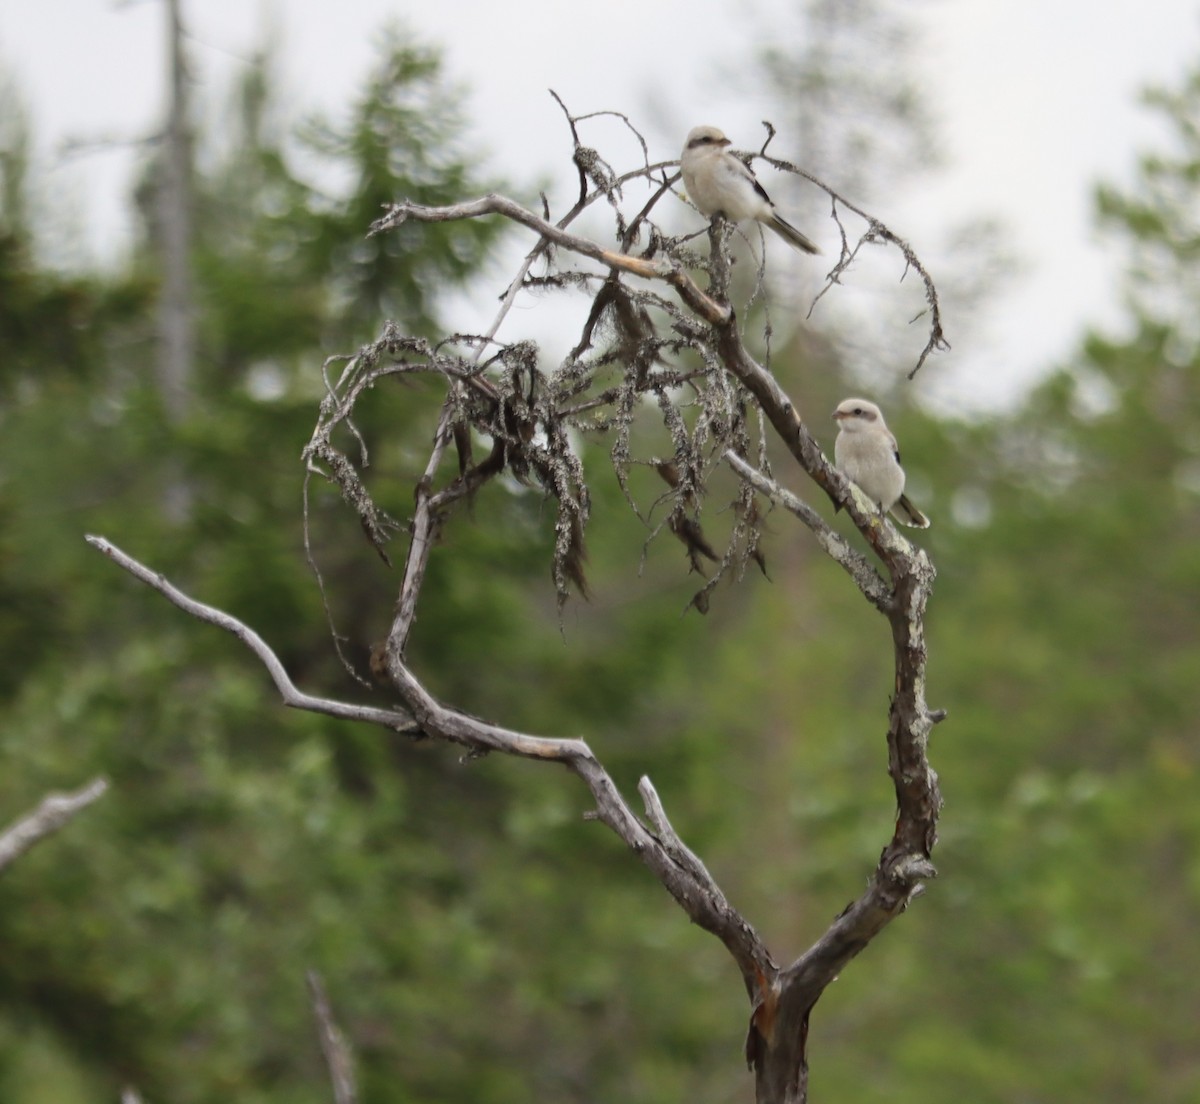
(683, 877)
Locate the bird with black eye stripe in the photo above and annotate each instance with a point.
(717, 182)
(867, 453)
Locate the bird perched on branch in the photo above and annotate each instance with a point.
(717, 182)
(866, 452)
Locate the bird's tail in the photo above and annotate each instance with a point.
(790, 234)
(907, 514)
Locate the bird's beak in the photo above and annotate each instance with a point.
(837, 415)
(724, 142)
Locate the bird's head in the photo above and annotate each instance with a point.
(853, 415)
(705, 137)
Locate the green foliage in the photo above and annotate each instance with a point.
(1065, 640)
(401, 141)
(478, 938)
(163, 941)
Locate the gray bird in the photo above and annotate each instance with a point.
(719, 183)
(866, 452)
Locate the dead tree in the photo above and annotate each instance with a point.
(661, 338)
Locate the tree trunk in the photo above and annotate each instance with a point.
(176, 324)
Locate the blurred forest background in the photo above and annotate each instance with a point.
(478, 939)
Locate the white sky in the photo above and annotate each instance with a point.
(1036, 101)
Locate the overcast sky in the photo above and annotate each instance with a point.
(1034, 103)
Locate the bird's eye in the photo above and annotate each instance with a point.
(859, 411)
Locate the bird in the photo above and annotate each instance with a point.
(717, 182)
(866, 452)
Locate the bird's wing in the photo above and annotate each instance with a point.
(762, 192)
(740, 169)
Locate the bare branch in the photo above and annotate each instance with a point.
(875, 233)
(857, 566)
(394, 720)
(674, 846)
(333, 1044)
(52, 813)
(423, 533)
(699, 897)
(667, 269)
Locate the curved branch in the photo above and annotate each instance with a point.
(679, 871)
(876, 231)
(296, 699)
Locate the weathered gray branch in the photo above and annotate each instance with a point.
(393, 719)
(666, 268)
(696, 894)
(333, 1044)
(52, 813)
(422, 533)
(856, 565)
(679, 851)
